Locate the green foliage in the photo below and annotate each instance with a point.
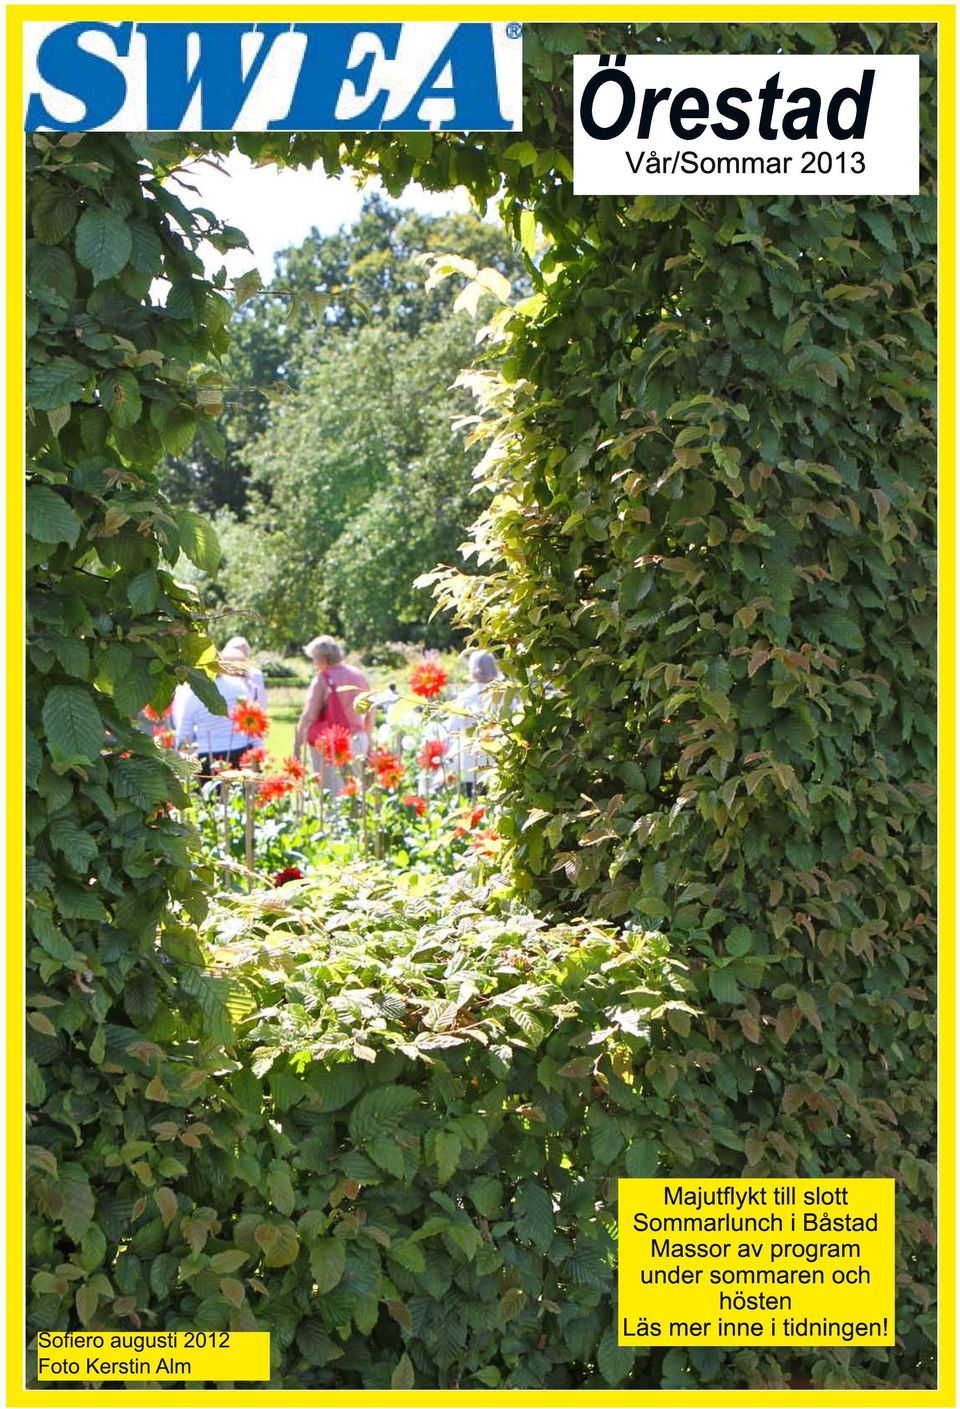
(359, 486)
(711, 543)
(711, 539)
(325, 290)
(114, 897)
(408, 1113)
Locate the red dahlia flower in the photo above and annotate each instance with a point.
(153, 716)
(432, 753)
(253, 757)
(289, 873)
(250, 719)
(294, 769)
(349, 788)
(273, 788)
(387, 767)
(419, 804)
(163, 738)
(427, 679)
(336, 745)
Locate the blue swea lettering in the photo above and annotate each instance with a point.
(325, 70)
(218, 72)
(464, 72)
(94, 81)
(473, 81)
(473, 85)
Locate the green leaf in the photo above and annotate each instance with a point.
(199, 541)
(380, 1111)
(103, 242)
(135, 688)
(86, 1303)
(447, 1147)
(511, 1304)
(642, 1159)
(739, 941)
(72, 723)
(52, 269)
(282, 1249)
(533, 1215)
(120, 394)
(385, 1152)
(73, 656)
(78, 1202)
(143, 591)
(328, 1260)
(841, 629)
(528, 233)
(49, 518)
(54, 384)
(177, 433)
(146, 250)
(36, 1089)
(613, 1361)
(403, 1376)
(74, 843)
(79, 903)
(408, 1255)
(280, 1190)
(53, 214)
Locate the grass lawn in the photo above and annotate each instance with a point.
(283, 705)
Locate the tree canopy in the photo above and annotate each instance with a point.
(339, 478)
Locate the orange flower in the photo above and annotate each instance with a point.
(427, 679)
(419, 804)
(153, 716)
(386, 766)
(273, 788)
(336, 745)
(250, 719)
(294, 769)
(431, 755)
(253, 757)
(349, 788)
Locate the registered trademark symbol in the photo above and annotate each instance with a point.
(514, 30)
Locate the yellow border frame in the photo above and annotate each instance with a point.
(945, 18)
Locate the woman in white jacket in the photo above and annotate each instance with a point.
(471, 708)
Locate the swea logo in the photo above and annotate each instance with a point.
(91, 75)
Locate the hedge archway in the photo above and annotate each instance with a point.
(712, 537)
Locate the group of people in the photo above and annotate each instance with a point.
(333, 702)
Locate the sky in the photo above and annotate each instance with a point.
(276, 209)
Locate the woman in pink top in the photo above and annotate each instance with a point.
(329, 706)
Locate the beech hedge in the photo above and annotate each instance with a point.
(709, 565)
(398, 1144)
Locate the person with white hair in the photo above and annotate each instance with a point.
(470, 709)
(329, 709)
(237, 653)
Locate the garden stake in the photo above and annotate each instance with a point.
(225, 794)
(248, 830)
